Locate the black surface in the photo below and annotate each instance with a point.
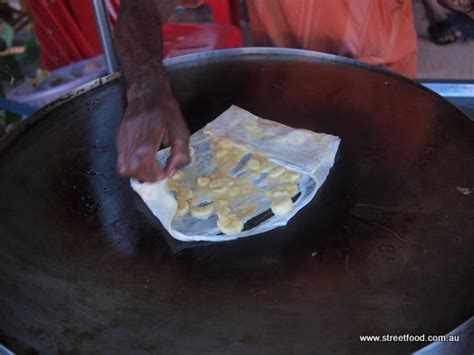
(385, 248)
(465, 104)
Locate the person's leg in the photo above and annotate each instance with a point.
(440, 29)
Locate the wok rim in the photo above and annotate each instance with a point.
(210, 57)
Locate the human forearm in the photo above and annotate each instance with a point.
(153, 117)
(138, 43)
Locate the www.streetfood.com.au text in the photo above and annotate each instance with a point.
(408, 337)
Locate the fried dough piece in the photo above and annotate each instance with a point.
(185, 193)
(202, 212)
(203, 181)
(282, 205)
(182, 208)
(230, 224)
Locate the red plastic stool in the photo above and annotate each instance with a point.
(180, 38)
(67, 31)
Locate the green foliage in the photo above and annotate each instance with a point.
(7, 33)
(7, 119)
(9, 68)
(12, 68)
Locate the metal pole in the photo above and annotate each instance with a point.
(105, 34)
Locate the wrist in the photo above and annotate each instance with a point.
(150, 79)
(148, 87)
(157, 89)
(151, 95)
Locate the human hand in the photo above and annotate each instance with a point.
(148, 123)
(464, 6)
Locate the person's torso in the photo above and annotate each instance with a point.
(376, 31)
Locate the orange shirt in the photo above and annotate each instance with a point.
(379, 32)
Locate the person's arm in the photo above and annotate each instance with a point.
(464, 6)
(153, 117)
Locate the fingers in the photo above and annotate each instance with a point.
(124, 143)
(179, 154)
(136, 148)
(142, 167)
(143, 130)
(149, 169)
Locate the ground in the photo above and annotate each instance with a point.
(453, 61)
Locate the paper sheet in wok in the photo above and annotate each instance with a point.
(307, 152)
